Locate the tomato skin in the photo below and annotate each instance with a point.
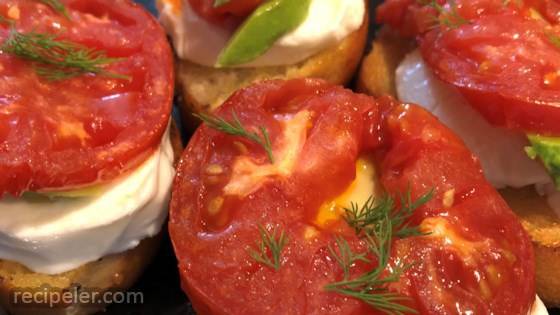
(407, 16)
(509, 91)
(443, 162)
(411, 149)
(89, 129)
(235, 10)
(502, 60)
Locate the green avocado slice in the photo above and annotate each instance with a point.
(263, 27)
(86, 192)
(547, 149)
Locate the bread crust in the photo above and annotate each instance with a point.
(114, 272)
(543, 226)
(377, 72)
(377, 77)
(205, 88)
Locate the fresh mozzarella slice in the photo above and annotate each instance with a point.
(538, 308)
(197, 40)
(56, 235)
(501, 152)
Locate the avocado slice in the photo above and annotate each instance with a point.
(547, 149)
(270, 21)
(86, 192)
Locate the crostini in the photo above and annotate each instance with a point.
(86, 149)
(489, 70)
(223, 46)
(301, 197)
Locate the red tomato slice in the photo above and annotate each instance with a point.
(477, 258)
(233, 10)
(89, 129)
(503, 60)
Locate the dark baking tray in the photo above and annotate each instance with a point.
(160, 284)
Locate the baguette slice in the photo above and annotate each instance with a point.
(205, 88)
(116, 272)
(377, 72)
(377, 77)
(543, 225)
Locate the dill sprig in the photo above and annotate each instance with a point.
(367, 217)
(400, 219)
(447, 17)
(269, 243)
(57, 59)
(235, 128)
(345, 256)
(57, 6)
(5, 20)
(377, 223)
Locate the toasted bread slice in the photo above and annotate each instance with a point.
(205, 88)
(377, 77)
(116, 272)
(377, 72)
(543, 225)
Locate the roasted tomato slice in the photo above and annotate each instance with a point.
(85, 130)
(504, 58)
(233, 10)
(473, 256)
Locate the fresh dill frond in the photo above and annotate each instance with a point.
(377, 224)
(235, 128)
(371, 287)
(345, 256)
(57, 6)
(270, 243)
(367, 217)
(56, 59)
(402, 216)
(5, 20)
(446, 17)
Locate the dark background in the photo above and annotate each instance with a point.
(160, 284)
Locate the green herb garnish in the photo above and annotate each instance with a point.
(235, 128)
(269, 248)
(57, 6)
(57, 59)
(447, 17)
(377, 223)
(547, 149)
(5, 20)
(345, 256)
(263, 27)
(366, 217)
